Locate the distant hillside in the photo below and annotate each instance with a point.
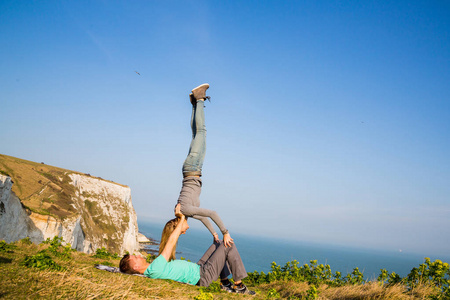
(40, 201)
(41, 188)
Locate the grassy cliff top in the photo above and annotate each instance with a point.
(49, 271)
(43, 189)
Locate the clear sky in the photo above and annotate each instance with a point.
(329, 120)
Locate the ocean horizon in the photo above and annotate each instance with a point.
(258, 253)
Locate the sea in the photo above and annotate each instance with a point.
(258, 253)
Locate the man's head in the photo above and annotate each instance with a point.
(133, 264)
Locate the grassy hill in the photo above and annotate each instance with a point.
(51, 271)
(43, 189)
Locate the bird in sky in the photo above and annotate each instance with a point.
(137, 72)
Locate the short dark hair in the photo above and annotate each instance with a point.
(125, 267)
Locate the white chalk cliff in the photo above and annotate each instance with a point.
(98, 213)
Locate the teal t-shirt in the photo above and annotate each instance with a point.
(178, 270)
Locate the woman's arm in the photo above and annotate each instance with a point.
(200, 213)
(208, 225)
(173, 238)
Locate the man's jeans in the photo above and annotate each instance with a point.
(217, 261)
(196, 156)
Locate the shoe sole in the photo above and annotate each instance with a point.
(200, 86)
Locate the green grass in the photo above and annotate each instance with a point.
(50, 271)
(76, 277)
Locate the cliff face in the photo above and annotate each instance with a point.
(40, 202)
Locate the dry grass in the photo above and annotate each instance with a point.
(27, 174)
(368, 291)
(81, 280)
(43, 189)
(375, 291)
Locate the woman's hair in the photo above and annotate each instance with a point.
(125, 267)
(167, 231)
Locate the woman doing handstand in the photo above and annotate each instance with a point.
(189, 200)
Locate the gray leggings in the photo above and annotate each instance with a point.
(190, 202)
(217, 261)
(192, 185)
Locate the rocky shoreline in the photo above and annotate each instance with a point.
(148, 244)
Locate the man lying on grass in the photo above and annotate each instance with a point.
(215, 262)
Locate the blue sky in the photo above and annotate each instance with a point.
(329, 120)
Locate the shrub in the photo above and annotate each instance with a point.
(204, 296)
(272, 294)
(150, 258)
(436, 273)
(26, 241)
(312, 273)
(355, 277)
(312, 293)
(214, 287)
(42, 260)
(383, 276)
(57, 248)
(104, 254)
(5, 247)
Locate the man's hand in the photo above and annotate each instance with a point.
(227, 240)
(178, 213)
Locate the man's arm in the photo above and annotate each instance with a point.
(173, 238)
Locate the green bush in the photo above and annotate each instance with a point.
(312, 273)
(214, 287)
(43, 261)
(57, 248)
(312, 293)
(355, 277)
(272, 294)
(436, 273)
(150, 258)
(26, 241)
(5, 247)
(104, 254)
(204, 296)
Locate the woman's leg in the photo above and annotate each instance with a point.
(193, 164)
